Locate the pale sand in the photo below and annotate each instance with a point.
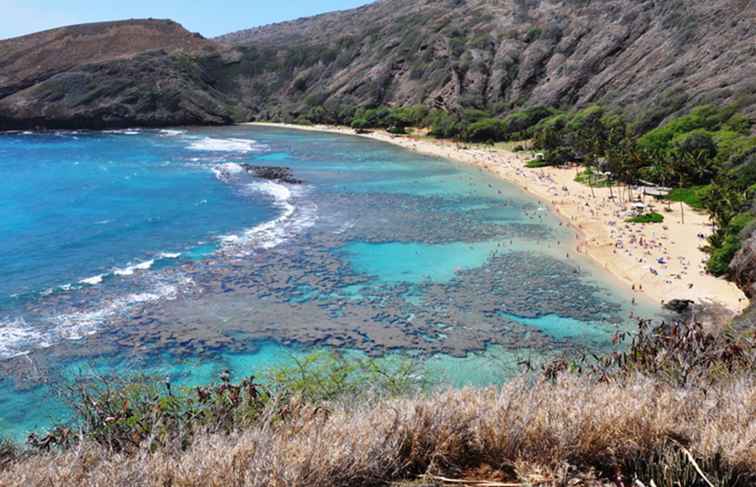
(630, 252)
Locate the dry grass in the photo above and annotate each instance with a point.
(533, 432)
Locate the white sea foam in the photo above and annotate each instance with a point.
(75, 326)
(270, 234)
(17, 337)
(171, 132)
(210, 144)
(225, 172)
(94, 280)
(130, 270)
(124, 131)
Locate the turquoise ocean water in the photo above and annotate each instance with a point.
(153, 250)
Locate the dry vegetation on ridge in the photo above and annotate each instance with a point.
(677, 408)
(531, 432)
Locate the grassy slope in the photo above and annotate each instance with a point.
(525, 431)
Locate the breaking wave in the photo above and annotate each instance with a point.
(130, 270)
(268, 235)
(17, 338)
(225, 172)
(171, 132)
(209, 144)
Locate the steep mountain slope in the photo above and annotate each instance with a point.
(137, 72)
(652, 55)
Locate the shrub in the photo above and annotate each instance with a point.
(652, 217)
(124, 413)
(326, 376)
(720, 258)
(537, 163)
(558, 156)
(680, 353)
(444, 125)
(484, 130)
(411, 116)
(523, 121)
(698, 141)
(360, 124)
(533, 34)
(706, 117)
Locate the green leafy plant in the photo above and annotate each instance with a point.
(692, 196)
(652, 217)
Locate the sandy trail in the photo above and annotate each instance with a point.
(660, 262)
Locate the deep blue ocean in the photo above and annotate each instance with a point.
(155, 251)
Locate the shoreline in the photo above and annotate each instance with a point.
(655, 262)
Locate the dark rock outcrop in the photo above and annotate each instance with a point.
(743, 267)
(679, 306)
(281, 174)
(111, 74)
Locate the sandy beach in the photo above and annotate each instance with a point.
(658, 262)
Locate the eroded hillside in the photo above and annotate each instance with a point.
(652, 57)
(649, 56)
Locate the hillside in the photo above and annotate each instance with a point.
(651, 57)
(135, 72)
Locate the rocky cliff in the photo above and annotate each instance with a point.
(112, 74)
(652, 57)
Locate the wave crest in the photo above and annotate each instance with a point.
(225, 172)
(270, 234)
(209, 144)
(17, 337)
(130, 270)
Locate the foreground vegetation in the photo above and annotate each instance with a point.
(675, 408)
(707, 157)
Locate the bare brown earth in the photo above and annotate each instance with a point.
(29, 58)
(109, 74)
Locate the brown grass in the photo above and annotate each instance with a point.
(527, 431)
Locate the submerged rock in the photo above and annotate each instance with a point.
(282, 174)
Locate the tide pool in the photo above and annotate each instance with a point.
(416, 262)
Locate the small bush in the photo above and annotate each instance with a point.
(680, 353)
(536, 163)
(484, 130)
(533, 34)
(558, 156)
(652, 217)
(123, 414)
(721, 256)
(326, 376)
